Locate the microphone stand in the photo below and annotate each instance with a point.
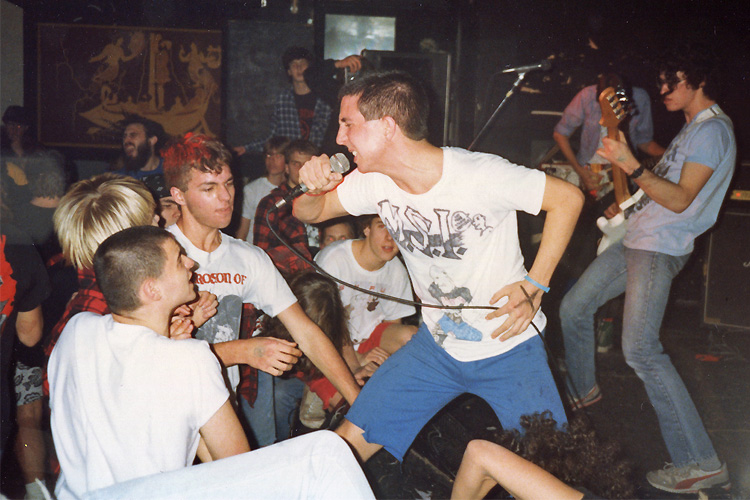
(518, 81)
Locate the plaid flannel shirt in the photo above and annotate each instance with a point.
(285, 121)
(288, 226)
(248, 387)
(88, 298)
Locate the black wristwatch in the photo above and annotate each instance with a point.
(637, 172)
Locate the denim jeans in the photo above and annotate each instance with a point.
(646, 278)
(271, 416)
(318, 465)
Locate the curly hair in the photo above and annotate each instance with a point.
(698, 63)
(320, 299)
(574, 454)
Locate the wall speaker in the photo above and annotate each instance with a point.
(727, 299)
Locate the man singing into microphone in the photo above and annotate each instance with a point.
(453, 215)
(197, 169)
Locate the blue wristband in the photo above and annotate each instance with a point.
(543, 288)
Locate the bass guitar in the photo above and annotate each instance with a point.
(614, 105)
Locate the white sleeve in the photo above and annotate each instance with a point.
(357, 193)
(266, 288)
(204, 382)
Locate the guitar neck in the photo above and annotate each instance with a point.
(619, 178)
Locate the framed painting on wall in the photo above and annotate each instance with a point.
(90, 78)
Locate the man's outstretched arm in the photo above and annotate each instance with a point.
(562, 202)
(314, 343)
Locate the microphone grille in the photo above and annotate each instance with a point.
(339, 163)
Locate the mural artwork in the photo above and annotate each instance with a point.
(91, 77)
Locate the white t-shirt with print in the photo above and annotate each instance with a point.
(127, 402)
(236, 272)
(251, 196)
(367, 311)
(459, 241)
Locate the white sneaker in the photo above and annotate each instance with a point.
(688, 479)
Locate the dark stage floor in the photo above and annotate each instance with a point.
(712, 361)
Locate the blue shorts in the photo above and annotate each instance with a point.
(421, 378)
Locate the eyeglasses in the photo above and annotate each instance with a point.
(274, 155)
(671, 83)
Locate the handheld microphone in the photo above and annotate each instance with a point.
(339, 164)
(543, 65)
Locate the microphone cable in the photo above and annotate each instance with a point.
(551, 358)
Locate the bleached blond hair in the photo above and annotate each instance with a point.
(94, 209)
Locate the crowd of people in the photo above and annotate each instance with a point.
(151, 339)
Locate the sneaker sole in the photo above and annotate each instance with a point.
(694, 487)
(584, 403)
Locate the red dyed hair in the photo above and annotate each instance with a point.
(193, 151)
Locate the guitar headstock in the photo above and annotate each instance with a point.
(615, 107)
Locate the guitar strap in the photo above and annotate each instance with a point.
(707, 113)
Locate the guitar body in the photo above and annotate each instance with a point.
(613, 230)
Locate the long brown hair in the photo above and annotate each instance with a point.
(320, 299)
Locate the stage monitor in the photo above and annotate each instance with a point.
(347, 34)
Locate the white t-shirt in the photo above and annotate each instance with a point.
(459, 241)
(127, 402)
(367, 311)
(251, 196)
(237, 273)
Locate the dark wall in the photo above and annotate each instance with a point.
(483, 36)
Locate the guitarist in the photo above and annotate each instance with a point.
(584, 112)
(681, 200)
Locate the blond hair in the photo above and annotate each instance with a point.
(96, 208)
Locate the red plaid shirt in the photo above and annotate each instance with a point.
(248, 387)
(88, 298)
(289, 227)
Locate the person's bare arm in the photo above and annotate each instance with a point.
(243, 229)
(673, 196)
(271, 355)
(321, 202)
(319, 349)
(486, 464)
(563, 202)
(29, 326)
(651, 148)
(223, 435)
(589, 179)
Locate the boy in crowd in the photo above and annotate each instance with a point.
(341, 228)
(197, 169)
(255, 191)
(99, 401)
(374, 323)
(303, 237)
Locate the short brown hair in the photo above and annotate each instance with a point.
(193, 151)
(300, 146)
(94, 209)
(395, 94)
(124, 260)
